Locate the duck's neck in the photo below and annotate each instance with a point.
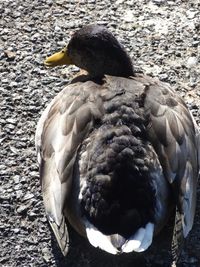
(123, 65)
(119, 69)
(118, 64)
(112, 61)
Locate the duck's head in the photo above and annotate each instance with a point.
(94, 49)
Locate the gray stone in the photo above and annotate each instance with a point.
(191, 62)
(28, 196)
(10, 54)
(22, 209)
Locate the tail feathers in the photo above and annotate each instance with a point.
(61, 233)
(177, 238)
(116, 244)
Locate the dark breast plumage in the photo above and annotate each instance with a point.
(118, 157)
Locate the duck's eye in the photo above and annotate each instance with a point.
(63, 51)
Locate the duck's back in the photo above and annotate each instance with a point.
(112, 150)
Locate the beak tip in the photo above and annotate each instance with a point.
(47, 63)
(59, 58)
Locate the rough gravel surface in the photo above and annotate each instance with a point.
(163, 38)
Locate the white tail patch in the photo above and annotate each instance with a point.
(141, 240)
(134, 242)
(97, 239)
(138, 242)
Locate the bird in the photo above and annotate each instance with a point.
(118, 151)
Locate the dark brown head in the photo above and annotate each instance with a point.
(94, 49)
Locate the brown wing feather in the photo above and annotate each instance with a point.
(175, 139)
(60, 131)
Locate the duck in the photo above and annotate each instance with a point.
(118, 151)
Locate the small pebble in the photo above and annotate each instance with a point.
(11, 55)
(191, 62)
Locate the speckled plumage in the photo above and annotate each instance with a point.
(120, 155)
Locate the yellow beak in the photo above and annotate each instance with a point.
(59, 58)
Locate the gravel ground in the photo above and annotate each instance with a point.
(164, 41)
